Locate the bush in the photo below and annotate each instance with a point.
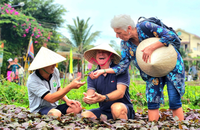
(11, 93)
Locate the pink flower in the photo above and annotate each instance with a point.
(11, 11)
(39, 32)
(16, 13)
(38, 35)
(48, 37)
(27, 20)
(32, 34)
(45, 44)
(24, 35)
(9, 6)
(36, 41)
(39, 24)
(33, 20)
(29, 24)
(2, 7)
(14, 26)
(27, 30)
(7, 11)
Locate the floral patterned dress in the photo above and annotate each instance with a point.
(128, 53)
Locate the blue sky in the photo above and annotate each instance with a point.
(184, 14)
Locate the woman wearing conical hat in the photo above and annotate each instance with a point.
(168, 68)
(44, 87)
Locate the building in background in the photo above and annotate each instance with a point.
(190, 43)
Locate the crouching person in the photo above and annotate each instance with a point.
(109, 90)
(44, 87)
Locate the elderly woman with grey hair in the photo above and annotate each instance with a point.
(131, 36)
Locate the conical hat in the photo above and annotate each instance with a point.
(91, 53)
(163, 59)
(44, 58)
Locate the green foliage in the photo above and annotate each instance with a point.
(137, 94)
(81, 37)
(11, 92)
(37, 17)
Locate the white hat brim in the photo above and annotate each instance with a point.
(91, 53)
(10, 59)
(163, 59)
(44, 58)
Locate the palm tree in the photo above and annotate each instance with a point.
(81, 39)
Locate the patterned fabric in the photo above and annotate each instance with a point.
(128, 53)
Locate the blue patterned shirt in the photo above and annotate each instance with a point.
(128, 53)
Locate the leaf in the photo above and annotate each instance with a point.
(139, 110)
(40, 125)
(175, 118)
(163, 110)
(180, 126)
(103, 117)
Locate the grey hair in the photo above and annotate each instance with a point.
(122, 22)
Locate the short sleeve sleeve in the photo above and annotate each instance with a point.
(36, 88)
(124, 78)
(90, 83)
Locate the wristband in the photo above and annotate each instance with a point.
(107, 98)
(104, 71)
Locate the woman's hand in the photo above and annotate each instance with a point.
(96, 74)
(147, 51)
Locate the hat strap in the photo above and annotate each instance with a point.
(105, 61)
(45, 71)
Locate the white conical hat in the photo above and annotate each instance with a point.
(10, 59)
(44, 58)
(91, 53)
(163, 60)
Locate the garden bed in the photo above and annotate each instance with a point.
(12, 117)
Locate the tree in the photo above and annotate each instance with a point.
(115, 46)
(81, 39)
(48, 14)
(18, 27)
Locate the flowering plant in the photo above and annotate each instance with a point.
(24, 25)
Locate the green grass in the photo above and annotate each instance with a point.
(13, 94)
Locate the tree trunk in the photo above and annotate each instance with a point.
(82, 66)
(79, 66)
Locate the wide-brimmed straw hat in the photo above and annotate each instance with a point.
(10, 59)
(44, 58)
(91, 53)
(163, 59)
